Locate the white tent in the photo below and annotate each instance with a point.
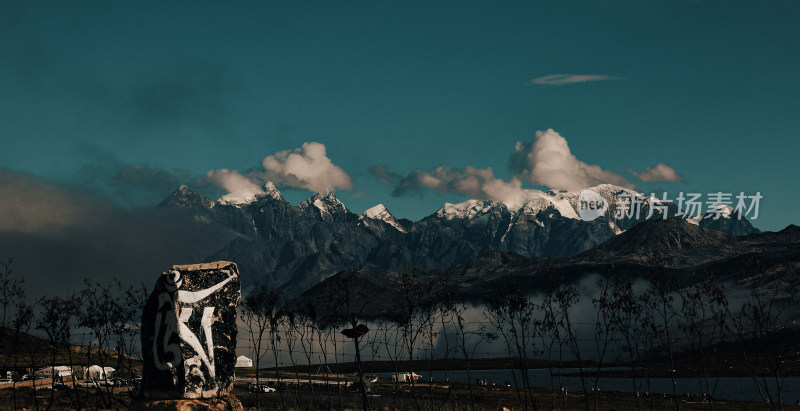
(243, 362)
(97, 372)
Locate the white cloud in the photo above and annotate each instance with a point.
(545, 161)
(471, 181)
(561, 79)
(307, 167)
(240, 188)
(31, 205)
(658, 173)
(548, 161)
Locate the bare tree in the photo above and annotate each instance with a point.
(453, 309)
(703, 320)
(548, 331)
(306, 330)
(350, 297)
(11, 290)
(55, 321)
(22, 320)
(257, 313)
(395, 349)
(412, 313)
(17, 314)
(132, 300)
(326, 338)
(511, 313)
(763, 329)
(104, 315)
(564, 298)
(290, 335)
(605, 331)
(629, 320)
(660, 306)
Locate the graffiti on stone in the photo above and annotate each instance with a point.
(189, 332)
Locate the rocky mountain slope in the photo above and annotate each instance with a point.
(673, 251)
(295, 247)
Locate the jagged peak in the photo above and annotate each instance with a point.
(184, 196)
(236, 199)
(325, 202)
(610, 188)
(244, 199)
(720, 210)
(467, 209)
(270, 190)
(380, 212)
(377, 212)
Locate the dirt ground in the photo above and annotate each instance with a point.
(384, 397)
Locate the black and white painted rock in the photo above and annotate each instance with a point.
(189, 332)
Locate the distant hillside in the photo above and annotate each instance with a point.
(672, 250)
(23, 350)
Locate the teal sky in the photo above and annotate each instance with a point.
(710, 88)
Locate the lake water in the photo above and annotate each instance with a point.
(730, 388)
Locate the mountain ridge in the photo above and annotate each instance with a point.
(292, 248)
(737, 261)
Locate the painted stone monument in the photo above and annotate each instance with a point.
(189, 333)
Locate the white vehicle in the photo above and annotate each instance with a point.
(97, 372)
(88, 384)
(261, 388)
(54, 372)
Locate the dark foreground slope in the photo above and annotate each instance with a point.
(672, 250)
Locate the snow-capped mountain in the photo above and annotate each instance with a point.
(380, 212)
(325, 205)
(467, 210)
(281, 245)
(271, 191)
(725, 218)
(240, 200)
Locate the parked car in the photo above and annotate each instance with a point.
(88, 384)
(260, 388)
(6, 381)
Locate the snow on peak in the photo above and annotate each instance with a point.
(272, 191)
(380, 212)
(535, 201)
(241, 198)
(719, 210)
(237, 199)
(610, 189)
(326, 203)
(467, 209)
